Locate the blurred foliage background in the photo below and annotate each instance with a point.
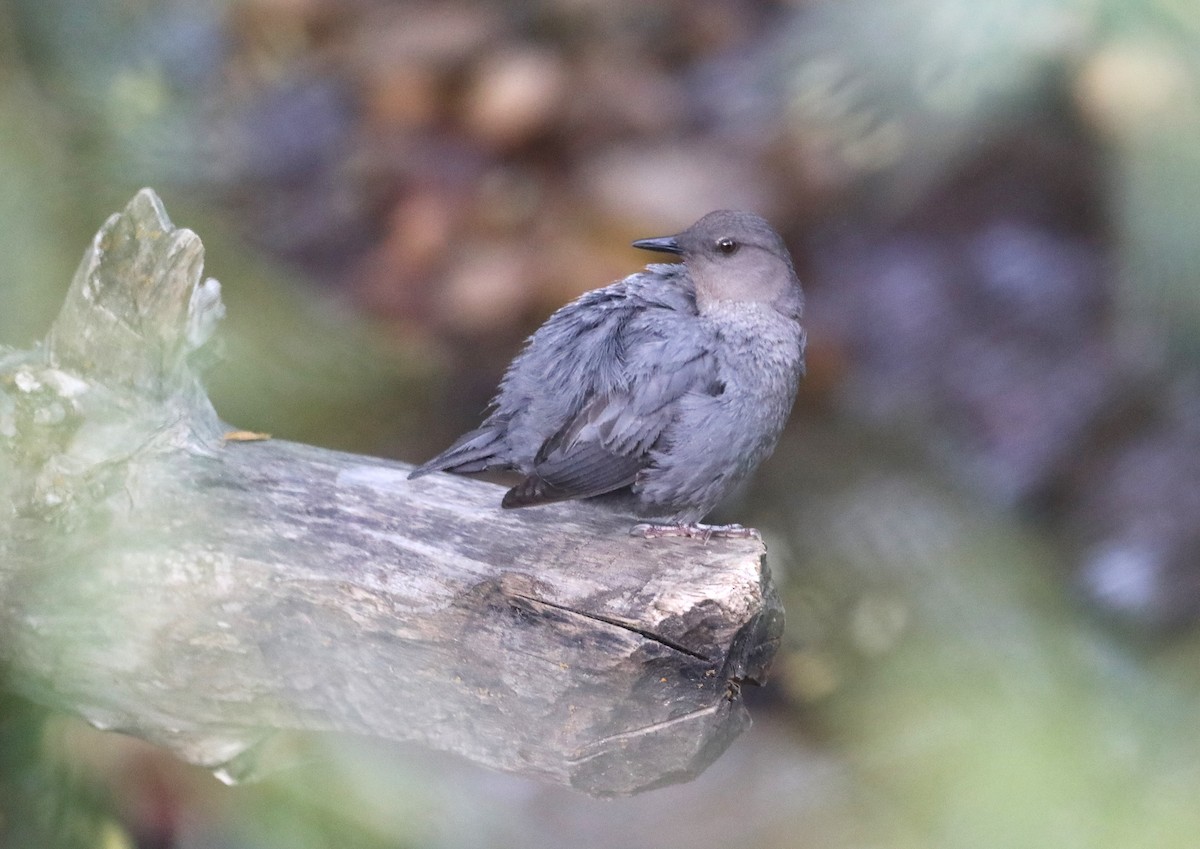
(985, 514)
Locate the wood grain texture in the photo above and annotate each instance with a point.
(203, 594)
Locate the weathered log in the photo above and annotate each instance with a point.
(201, 593)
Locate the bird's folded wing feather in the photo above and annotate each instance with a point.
(606, 442)
(575, 354)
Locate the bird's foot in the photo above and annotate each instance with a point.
(695, 530)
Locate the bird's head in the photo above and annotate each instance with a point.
(734, 256)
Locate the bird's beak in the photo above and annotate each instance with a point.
(663, 244)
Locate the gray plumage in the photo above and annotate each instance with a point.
(662, 391)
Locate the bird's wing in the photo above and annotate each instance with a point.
(573, 355)
(605, 444)
(568, 385)
(581, 350)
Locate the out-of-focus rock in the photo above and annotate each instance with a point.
(486, 289)
(393, 281)
(509, 199)
(979, 322)
(668, 185)
(281, 133)
(1150, 583)
(403, 96)
(514, 95)
(439, 35)
(991, 348)
(615, 95)
(1136, 519)
(407, 58)
(575, 255)
(1127, 88)
(278, 158)
(421, 230)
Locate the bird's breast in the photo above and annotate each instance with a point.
(758, 351)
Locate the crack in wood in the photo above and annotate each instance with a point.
(620, 623)
(599, 747)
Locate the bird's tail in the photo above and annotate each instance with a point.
(475, 451)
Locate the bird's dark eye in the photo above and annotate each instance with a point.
(727, 246)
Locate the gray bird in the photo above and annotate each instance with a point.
(659, 393)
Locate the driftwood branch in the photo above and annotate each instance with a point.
(201, 593)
